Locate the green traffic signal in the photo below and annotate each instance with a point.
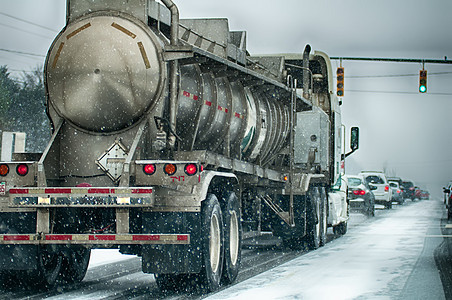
(422, 81)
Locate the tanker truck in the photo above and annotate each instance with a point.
(172, 143)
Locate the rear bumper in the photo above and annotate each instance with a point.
(94, 239)
(78, 196)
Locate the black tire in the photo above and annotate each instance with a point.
(324, 215)
(314, 223)
(48, 269)
(75, 264)
(340, 229)
(388, 205)
(212, 251)
(371, 212)
(232, 238)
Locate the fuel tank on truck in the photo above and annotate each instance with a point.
(214, 111)
(104, 72)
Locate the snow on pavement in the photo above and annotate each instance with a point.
(106, 256)
(373, 260)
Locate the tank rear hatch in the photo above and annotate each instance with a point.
(104, 72)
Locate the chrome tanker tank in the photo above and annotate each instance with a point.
(104, 73)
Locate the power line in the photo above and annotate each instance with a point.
(405, 60)
(23, 53)
(20, 29)
(26, 21)
(396, 75)
(398, 92)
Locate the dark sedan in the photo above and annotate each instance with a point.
(360, 195)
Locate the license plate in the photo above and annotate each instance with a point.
(2, 188)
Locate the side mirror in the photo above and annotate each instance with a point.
(354, 138)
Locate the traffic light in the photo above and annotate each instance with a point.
(422, 81)
(340, 82)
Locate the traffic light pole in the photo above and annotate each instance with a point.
(405, 60)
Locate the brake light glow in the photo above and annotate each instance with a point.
(170, 169)
(386, 188)
(22, 170)
(149, 169)
(359, 192)
(4, 169)
(191, 169)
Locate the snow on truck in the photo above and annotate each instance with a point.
(172, 143)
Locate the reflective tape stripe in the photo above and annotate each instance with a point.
(84, 191)
(20, 237)
(95, 238)
(223, 109)
(101, 191)
(58, 237)
(18, 191)
(237, 115)
(57, 191)
(191, 96)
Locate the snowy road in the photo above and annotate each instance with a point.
(386, 257)
(389, 257)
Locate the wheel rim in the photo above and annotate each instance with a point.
(234, 238)
(215, 243)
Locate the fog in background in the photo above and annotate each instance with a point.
(405, 133)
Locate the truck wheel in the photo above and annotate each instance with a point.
(211, 244)
(324, 215)
(232, 238)
(340, 229)
(314, 224)
(48, 269)
(75, 264)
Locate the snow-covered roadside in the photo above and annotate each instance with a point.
(372, 261)
(106, 256)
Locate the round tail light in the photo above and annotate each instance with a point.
(4, 169)
(191, 169)
(22, 170)
(170, 169)
(149, 169)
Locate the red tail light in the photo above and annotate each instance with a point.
(22, 170)
(386, 188)
(170, 169)
(4, 169)
(398, 191)
(191, 169)
(359, 192)
(149, 169)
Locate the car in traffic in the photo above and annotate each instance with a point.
(382, 192)
(409, 189)
(417, 193)
(397, 194)
(399, 181)
(448, 199)
(425, 195)
(360, 195)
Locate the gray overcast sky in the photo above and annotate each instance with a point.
(405, 132)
